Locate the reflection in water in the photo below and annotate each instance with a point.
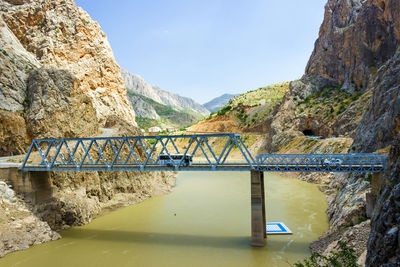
(205, 221)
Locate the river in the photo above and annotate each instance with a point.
(204, 221)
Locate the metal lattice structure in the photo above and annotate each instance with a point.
(212, 152)
(359, 162)
(208, 152)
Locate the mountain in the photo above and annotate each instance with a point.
(150, 113)
(218, 102)
(136, 84)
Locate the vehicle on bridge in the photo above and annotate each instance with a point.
(175, 159)
(332, 162)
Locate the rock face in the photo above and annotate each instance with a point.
(136, 84)
(384, 242)
(20, 228)
(142, 108)
(381, 122)
(61, 35)
(13, 133)
(58, 72)
(355, 39)
(215, 104)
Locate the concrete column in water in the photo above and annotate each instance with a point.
(258, 223)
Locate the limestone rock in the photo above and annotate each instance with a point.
(62, 36)
(56, 109)
(142, 108)
(384, 242)
(20, 228)
(14, 138)
(381, 122)
(355, 237)
(15, 63)
(355, 38)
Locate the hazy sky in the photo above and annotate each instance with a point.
(205, 48)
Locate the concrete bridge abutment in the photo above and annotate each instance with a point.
(33, 186)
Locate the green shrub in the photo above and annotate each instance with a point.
(151, 141)
(27, 101)
(344, 257)
(224, 110)
(355, 96)
(341, 109)
(368, 178)
(85, 22)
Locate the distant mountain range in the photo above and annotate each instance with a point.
(218, 102)
(136, 84)
(156, 107)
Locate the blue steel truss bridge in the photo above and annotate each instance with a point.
(207, 152)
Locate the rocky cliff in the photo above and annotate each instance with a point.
(136, 84)
(355, 39)
(59, 76)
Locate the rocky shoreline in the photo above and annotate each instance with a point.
(348, 220)
(24, 224)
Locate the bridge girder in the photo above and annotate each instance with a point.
(207, 152)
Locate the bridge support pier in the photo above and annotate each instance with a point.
(258, 222)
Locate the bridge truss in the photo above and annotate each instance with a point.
(207, 152)
(358, 162)
(215, 152)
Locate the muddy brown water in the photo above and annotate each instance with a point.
(204, 221)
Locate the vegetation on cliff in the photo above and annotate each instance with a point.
(165, 116)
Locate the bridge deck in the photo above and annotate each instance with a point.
(206, 167)
(212, 152)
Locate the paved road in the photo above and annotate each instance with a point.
(106, 132)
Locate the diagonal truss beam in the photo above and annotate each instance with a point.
(213, 152)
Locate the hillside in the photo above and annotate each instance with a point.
(245, 112)
(150, 113)
(136, 84)
(215, 104)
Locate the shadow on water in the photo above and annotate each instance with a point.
(238, 242)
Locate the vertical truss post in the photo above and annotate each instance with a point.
(258, 225)
(27, 156)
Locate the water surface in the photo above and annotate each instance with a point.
(205, 221)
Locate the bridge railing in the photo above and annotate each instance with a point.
(356, 162)
(140, 153)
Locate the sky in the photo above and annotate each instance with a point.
(205, 48)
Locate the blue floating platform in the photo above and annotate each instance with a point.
(278, 228)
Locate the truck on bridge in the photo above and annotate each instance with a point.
(176, 159)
